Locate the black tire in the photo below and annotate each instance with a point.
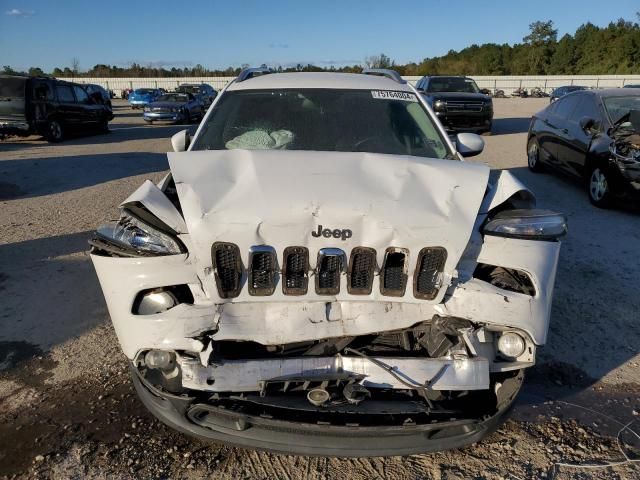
(104, 126)
(55, 131)
(599, 186)
(187, 117)
(533, 156)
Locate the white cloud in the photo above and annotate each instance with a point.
(14, 12)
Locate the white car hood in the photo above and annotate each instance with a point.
(278, 198)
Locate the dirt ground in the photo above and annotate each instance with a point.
(68, 409)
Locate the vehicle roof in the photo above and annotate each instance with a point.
(353, 81)
(615, 92)
(446, 76)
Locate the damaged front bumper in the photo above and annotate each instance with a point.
(302, 429)
(418, 402)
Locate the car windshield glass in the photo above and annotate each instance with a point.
(618, 107)
(188, 88)
(144, 91)
(452, 84)
(173, 97)
(322, 120)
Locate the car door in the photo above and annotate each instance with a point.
(573, 150)
(557, 128)
(88, 110)
(68, 110)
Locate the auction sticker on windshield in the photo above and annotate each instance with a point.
(391, 95)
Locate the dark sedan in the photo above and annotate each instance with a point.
(593, 135)
(174, 107)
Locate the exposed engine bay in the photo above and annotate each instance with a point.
(626, 139)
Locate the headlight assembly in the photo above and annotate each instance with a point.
(527, 224)
(439, 105)
(131, 233)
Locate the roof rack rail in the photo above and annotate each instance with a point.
(248, 73)
(384, 72)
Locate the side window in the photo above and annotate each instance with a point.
(565, 106)
(42, 91)
(81, 95)
(586, 108)
(65, 94)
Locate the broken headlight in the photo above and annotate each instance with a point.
(527, 224)
(132, 233)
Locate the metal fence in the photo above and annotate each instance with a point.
(506, 83)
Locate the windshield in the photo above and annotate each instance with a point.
(143, 91)
(322, 120)
(173, 97)
(452, 84)
(618, 107)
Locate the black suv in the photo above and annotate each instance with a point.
(458, 103)
(49, 107)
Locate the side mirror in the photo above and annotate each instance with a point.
(485, 91)
(181, 141)
(587, 125)
(469, 144)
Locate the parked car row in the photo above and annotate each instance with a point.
(143, 96)
(51, 108)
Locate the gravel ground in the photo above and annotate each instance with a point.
(68, 409)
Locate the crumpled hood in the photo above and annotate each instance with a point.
(278, 198)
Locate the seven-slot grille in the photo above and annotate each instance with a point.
(263, 271)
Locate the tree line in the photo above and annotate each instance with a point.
(591, 50)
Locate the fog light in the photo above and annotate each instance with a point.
(511, 345)
(160, 359)
(318, 396)
(156, 301)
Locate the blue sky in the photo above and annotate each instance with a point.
(216, 34)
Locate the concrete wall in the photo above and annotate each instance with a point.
(506, 83)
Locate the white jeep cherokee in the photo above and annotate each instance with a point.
(322, 273)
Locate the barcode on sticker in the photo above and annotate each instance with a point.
(391, 95)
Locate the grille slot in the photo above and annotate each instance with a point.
(428, 276)
(330, 264)
(394, 272)
(296, 271)
(361, 269)
(228, 268)
(262, 271)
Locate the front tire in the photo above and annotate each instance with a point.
(533, 156)
(599, 187)
(55, 132)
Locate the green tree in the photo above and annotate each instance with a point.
(541, 42)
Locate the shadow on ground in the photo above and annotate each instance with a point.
(507, 126)
(44, 176)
